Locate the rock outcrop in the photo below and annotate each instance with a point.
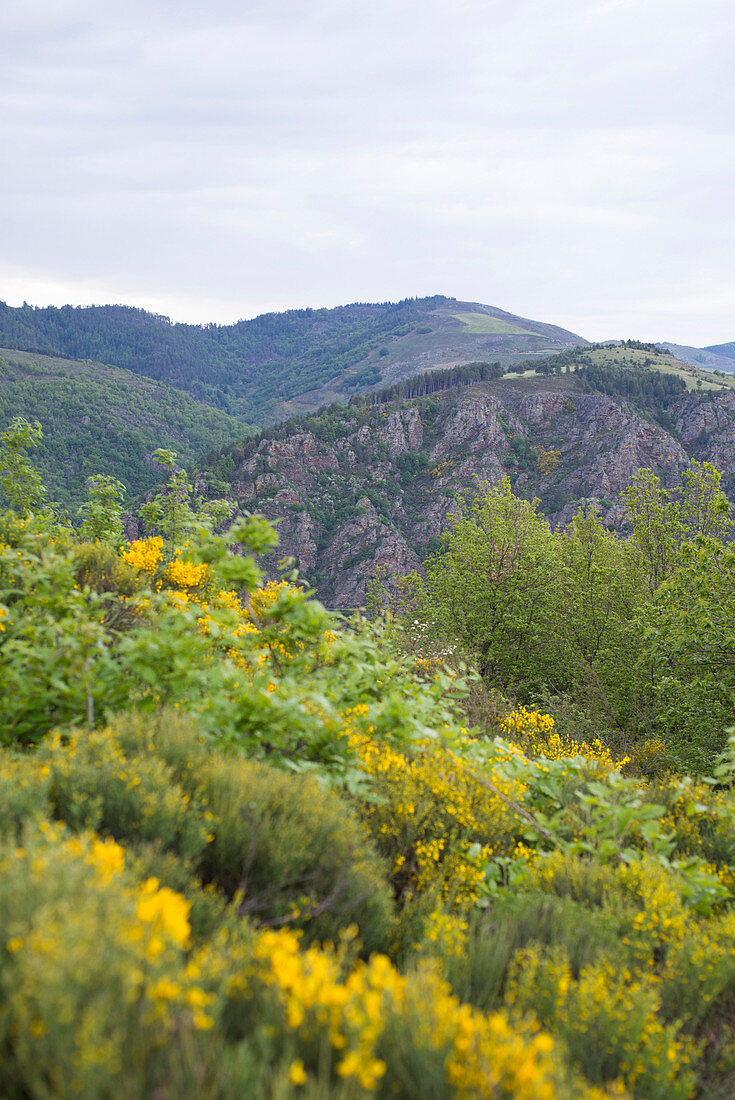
(373, 487)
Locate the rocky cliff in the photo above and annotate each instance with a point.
(360, 488)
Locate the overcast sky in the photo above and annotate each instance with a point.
(568, 160)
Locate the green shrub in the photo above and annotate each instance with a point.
(96, 785)
(290, 850)
(293, 851)
(24, 793)
(100, 568)
(479, 975)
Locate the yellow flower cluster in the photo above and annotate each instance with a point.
(83, 763)
(446, 933)
(147, 555)
(374, 1012)
(535, 733)
(144, 554)
(104, 965)
(441, 467)
(166, 914)
(311, 991)
(430, 815)
(265, 597)
(107, 857)
(185, 574)
(698, 967)
(229, 600)
(607, 1011)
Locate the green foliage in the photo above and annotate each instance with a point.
(690, 635)
(609, 1024)
(99, 418)
(102, 513)
(100, 568)
(55, 660)
(70, 652)
(171, 511)
(487, 585)
(634, 634)
(293, 851)
(514, 922)
(19, 481)
(431, 382)
(650, 390)
(592, 616)
(663, 521)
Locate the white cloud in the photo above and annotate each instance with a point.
(569, 160)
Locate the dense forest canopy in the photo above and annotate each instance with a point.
(240, 368)
(632, 638)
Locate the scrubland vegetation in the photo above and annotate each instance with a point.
(249, 849)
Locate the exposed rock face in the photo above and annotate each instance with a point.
(378, 485)
(402, 432)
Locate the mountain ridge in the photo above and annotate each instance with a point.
(280, 364)
(726, 350)
(705, 358)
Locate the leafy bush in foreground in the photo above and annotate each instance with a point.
(246, 849)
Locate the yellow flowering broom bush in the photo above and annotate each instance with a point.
(98, 998)
(534, 732)
(609, 1020)
(249, 815)
(289, 851)
(105, 994)
(429, 816)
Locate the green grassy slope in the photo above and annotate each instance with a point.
(632, 355)
(101, 419)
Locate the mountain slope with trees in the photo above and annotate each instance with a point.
(280, 364)
(98, 419)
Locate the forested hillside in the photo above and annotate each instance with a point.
(629, 637)
(98, 419)
(279, 364)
